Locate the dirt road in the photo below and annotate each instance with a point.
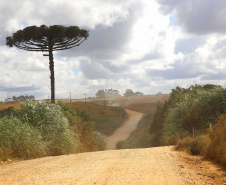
(124, 131)
(151, 166)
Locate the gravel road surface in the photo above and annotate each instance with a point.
(151, 166)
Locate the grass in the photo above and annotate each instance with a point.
(143, 107)
(15, 105)
(211, 145)
(108, 118)
(217, 147)
(184, 144)
(96, 110)
(140, 138)
(107, 125)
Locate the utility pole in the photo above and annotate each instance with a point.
(104, 101)
(70, 97)
(85, 100)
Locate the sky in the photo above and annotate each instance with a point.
(148, 46)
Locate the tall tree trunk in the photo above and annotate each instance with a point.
(52, 79)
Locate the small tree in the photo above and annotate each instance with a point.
(48, 39)
(100, 94)
(129, 92)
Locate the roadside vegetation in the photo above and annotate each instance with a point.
(141, 137)
(107, 118)
(194, 120)
(42, 129)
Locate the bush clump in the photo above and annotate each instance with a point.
(42, 129)
(187, 113)
(83, 124)
(211, 145)
(37, 130)
(184, 144)
(217, 147)
(196, 147)
(20, 139)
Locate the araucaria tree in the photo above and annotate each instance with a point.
(48, 39)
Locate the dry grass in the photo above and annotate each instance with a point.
(184, 144)
(211, 145)
(143, 104)
(96, 110)
(141, 137)
(196, 146)
(143, 107)
(108, 119)
(16, 105)
(217, 147)
(125, 101)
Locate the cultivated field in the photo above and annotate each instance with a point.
(16, 105)
(95, 109)
(136, 103)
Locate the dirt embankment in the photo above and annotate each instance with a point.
(155, 166)
(125, 130)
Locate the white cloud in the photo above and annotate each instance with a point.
(198, 17)
(144, 45)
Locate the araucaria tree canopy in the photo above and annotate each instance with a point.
(48, 39)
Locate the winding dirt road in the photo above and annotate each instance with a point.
(124, 131)
(150, 166)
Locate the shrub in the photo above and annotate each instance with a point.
(196, 146)
(20, 139)
(52, 124)
(89, 139)
(140, 138)
(217, 147)
(119, 145)
(194, 110)
(99, 141)
(38, 130)
(184, 144)
(200, 144)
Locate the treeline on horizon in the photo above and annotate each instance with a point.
(104, 93)
(21, 98)
(194, 119)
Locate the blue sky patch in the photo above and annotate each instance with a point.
(60, 58)
(77, 70)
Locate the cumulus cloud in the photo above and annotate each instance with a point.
(188, 45)
(197, 17)
(144, 45)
